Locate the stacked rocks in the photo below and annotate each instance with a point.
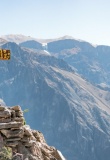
(26, 144)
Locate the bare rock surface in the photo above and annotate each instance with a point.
(26, 144)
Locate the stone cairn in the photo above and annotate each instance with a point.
(26, 144)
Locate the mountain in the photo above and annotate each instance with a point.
(87, 59)
(32, 44)
(73, 114)
(92, 62)
(57, 46)
(19, 38)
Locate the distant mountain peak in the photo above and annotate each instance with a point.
(68, 37)
(19, 38)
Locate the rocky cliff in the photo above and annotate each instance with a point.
(25, 143)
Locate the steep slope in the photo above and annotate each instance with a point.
(92, 62)
(73, 114)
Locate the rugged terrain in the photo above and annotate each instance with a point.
(72, 113)
(90, 61)
(25, 143)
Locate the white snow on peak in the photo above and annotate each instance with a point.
(70, 37)
(19, 38)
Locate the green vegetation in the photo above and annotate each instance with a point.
(24, 122)
(6, 153)
(26, 110)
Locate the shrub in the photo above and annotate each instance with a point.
(6, 153)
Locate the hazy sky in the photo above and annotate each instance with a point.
(83, 19)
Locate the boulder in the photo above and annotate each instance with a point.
(16, 108)
(39, 136)
(27, 131)
(35, 151)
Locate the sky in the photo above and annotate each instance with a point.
(88, 20)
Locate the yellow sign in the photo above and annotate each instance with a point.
(5, 54)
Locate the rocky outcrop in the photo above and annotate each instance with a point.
(26, 144)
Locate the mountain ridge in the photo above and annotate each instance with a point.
(19, 38)
(63, 104)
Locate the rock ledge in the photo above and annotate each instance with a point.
(26, 144)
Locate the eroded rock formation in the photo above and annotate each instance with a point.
(26, 144)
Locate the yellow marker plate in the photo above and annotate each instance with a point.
(5, 54)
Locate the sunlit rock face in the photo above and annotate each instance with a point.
(25, 143)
